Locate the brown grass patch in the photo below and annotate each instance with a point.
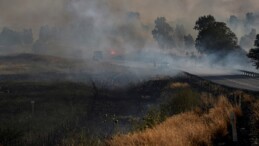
(248, 98)
(179, 85)
(185, 129)
(255, 107)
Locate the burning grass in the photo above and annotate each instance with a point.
(189, 128)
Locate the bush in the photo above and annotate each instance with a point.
(184, 100)
(152, 118)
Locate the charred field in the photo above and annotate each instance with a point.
(55, 106)
(60, 107)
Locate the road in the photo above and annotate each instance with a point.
(232, 78)
(236, 80)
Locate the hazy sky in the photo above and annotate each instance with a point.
(33, 13)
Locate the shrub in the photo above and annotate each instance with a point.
(184, 100)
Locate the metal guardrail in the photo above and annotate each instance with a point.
(250, 74)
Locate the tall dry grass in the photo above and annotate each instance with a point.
(255, 108)
(185, 129)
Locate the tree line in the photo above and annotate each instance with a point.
(168, 37)
(213, 38)
(9, 37)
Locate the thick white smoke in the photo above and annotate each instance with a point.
(113, 24)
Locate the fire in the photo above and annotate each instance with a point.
(113, 52)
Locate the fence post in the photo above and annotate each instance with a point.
(233, 125)
(240, 101)
(32, 106)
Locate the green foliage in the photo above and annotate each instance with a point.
(215, 37)
(254, 53)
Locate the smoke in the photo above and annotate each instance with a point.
(35, 13)
(32, 14)
(84, 26)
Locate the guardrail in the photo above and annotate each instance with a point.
(250, 74)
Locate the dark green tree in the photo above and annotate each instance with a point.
(163, 33)
(204, 22)
(254, 53)
(214, 37)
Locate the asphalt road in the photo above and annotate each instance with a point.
(236, 80)
(231, 78)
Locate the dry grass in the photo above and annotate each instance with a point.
(247, 98)
(255, 107)
(208, 99)
(179, 85)
(185, 129)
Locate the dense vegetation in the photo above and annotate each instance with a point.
(214, 37)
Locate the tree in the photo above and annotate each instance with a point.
(204, 22)
(9, 37)
(163, 33)
(254, 53)
(214, 37)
